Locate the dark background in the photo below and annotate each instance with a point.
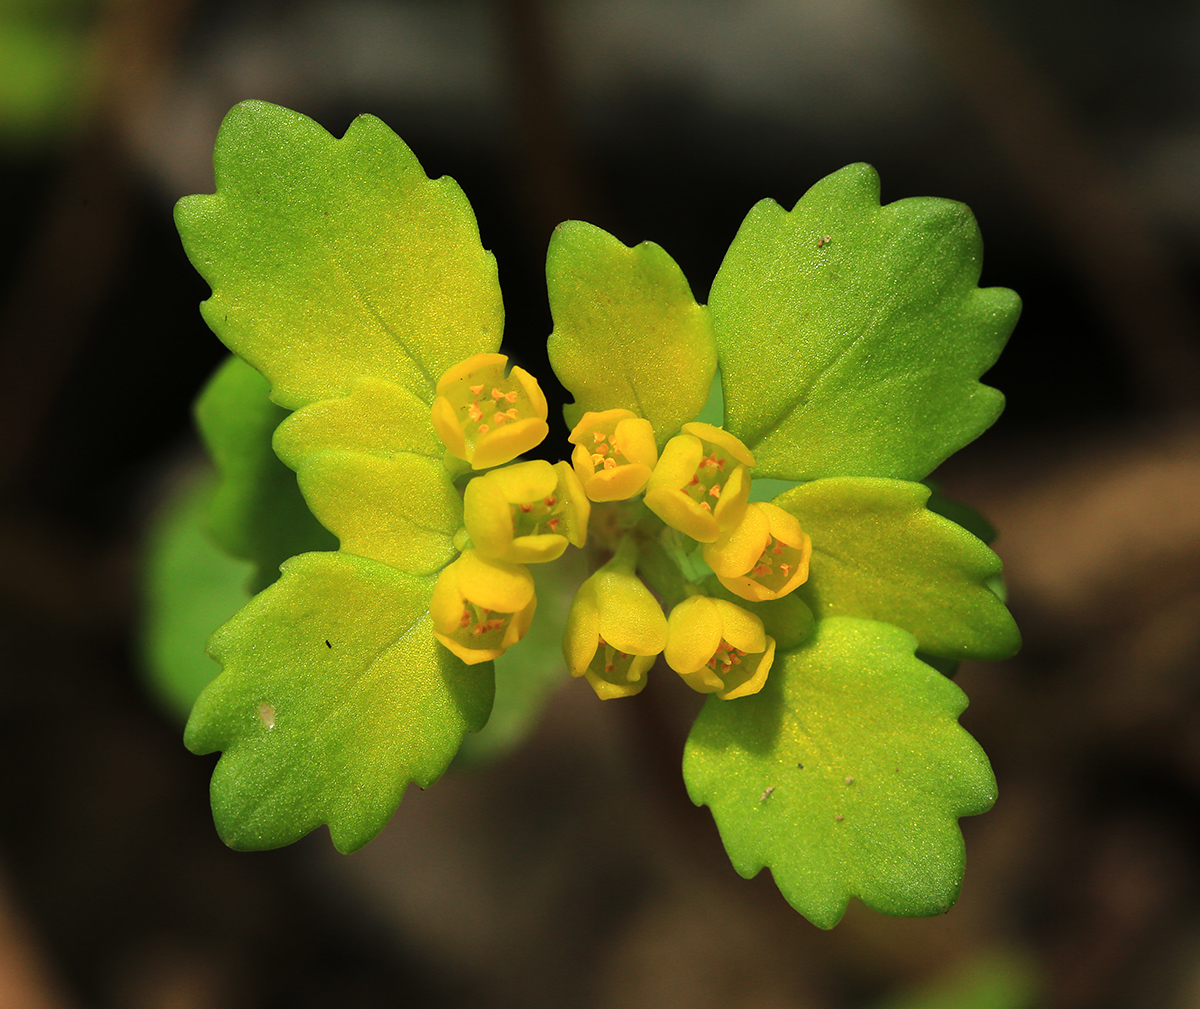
(574, 871)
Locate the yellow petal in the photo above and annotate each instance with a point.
(615, 484)
(693, 634)
(487, 517)
(449, 430)
(635, 439)
(494, 585)
(507, 441)
(722, 438)
(736, 551)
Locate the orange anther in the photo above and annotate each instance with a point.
(551, 501)
(704, 505)
(500, 417)
(474, 412)
(714, 490)
(512, 414)
(553, 524)
(761, 570)
(526, 508)
(477, 390)
(484, 429)
(597, 459)
(785, 569)
(599, 436)
(497, 394)
(610, 463)
(777, 549)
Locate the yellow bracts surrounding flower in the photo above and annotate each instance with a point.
(702, 482)
(526, 513)
(718, 647)
(615, 628)
(485, 418)
(764, 557)
(481, 607)
(614, 453)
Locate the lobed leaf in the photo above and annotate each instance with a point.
(845, 775)
(852, 335)
(627, 332)
(257, 512)
(879, 553)
(333, 696)
(370, 468)
(334, 260)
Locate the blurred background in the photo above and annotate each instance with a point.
(570, 869)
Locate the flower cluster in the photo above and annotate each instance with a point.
(694, 497)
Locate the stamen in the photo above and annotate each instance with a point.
(510, 397)
(526, 508)
(610, 463)
(497, 394)
(484, 429)
(714, 490)
(599, 436)
(551, 501)
(477, 390)
(474, 412)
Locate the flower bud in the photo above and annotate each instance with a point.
(702, 482)
(481, 607)
(718, 647)
(615, 629)
(614, 453)
(764, 557)
(485, 418)
(526, 513)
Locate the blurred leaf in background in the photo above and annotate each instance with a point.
(46, 66)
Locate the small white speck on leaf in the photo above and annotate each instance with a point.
(766, 793)
(267, 714)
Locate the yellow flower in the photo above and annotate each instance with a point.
(485, 418)
(764, 557)
(702, 482)
(526, 513)
(615, 628)
(614, 453)
(481, 607)
(718, 647)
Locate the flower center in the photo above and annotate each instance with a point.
(776, 564)
(531, 518)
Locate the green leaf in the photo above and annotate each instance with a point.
(257, 511)
(190, 587)
(334, 695)
(627, 332)
(334, 260)
(851, 336)
(845, 775)
(879, 553)
(993, 979)
(370, 468)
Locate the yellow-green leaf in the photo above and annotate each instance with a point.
(845, 775)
